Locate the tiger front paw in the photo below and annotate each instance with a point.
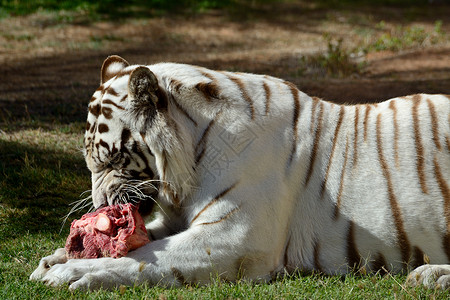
(46, 263)
(430, 276)
(92, 274)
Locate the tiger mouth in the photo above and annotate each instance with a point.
(146, 206)
(144, 201)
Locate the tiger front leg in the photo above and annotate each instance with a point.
(204, 252)
(196, 255)
(165, 223)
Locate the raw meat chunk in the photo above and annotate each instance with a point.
(111, 231)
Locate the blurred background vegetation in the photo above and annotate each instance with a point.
(118, 8)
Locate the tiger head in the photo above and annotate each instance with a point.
(123, 166)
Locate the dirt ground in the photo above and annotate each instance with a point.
(50, 62)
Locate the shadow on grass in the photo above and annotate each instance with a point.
(37, 187)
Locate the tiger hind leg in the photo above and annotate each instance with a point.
(431, 276)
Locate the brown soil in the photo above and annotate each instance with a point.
(49, 69)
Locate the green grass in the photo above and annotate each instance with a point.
(42, 172)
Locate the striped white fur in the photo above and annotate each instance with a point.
(257, 179)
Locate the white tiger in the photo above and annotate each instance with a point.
(255, 179)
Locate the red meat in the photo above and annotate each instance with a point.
(111, 231)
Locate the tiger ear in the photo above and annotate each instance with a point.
(111, 66)
(143, 87)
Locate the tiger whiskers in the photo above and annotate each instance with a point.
(78, 206)
(147, 183)
(134, 191)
